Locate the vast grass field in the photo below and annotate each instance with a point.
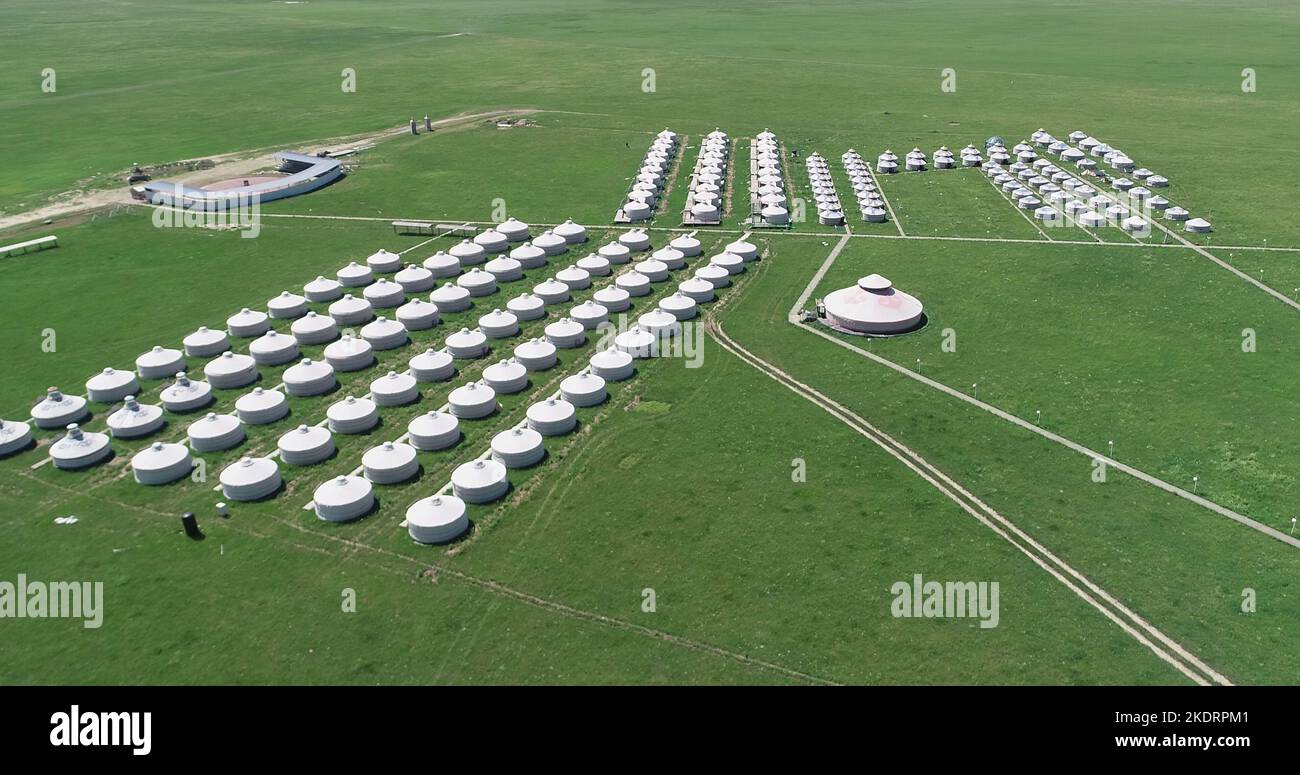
(683, 481)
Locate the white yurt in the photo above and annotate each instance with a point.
(248, 323)
(384, 262)
(873, 306)
(306, 445)
(261, 407)
(79, 449)
(350, 354)
(1122, 184)
(518, 448)
(1176, 214)
(433, 431)
(451, 298)
(637, 211)
(715, 275)
(499, 324)
(679, 305)
(135, 420)
(527, 306)
(566, 333)
(343, 498)
(635, 283)
(307, 378)
(1136, 225)
(250, 479)
(597, 266)
(287, 306)
(110, 386)
(467, 343)
(529, 256)
(355, 275)
(635, 240)
(442, 264)
(873, 214)
(654, 269)
(231, 370)
(706, 213)
(1197, 226)
(477, 282)
(584, 389)
(576, 278)
(472, 401)
(506, 377)
(437, 519)
(670, 257)
(687, 244)
(161, 463)
(1157, 181)
(479, 481)
(743, 248)
(273, 348)
(696, 288)
(351, 311)
(322, 289)
(352, 415)
(384, 294)
(490, 240)
(385, 334)
(612, 298)
(659, 323)
(552, 417)
(776, 216)
(733, 263)
(504, 269)
(514, 230)
(615, 253)
(415, 279)
(159, 363)
(536, 354)
(418, 315)
(206, 343)
(390, 463)
(551, 243)
(214, 432)
(433, 366)
(183, 395)
(552, 291)
(571, 232)
(1047, 214)
(612, 365)
(314, 329)
(469, 253)
(1091, 220)
(589, 314)
(394, 389)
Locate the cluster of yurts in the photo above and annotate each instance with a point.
(384, 283)
(1052, 194)
(774, 208)
(704, 199)
(639, 205)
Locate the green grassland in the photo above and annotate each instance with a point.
(681, 482)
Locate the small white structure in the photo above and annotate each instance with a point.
(679, 305)
(551, 291)
(551, 243)
(322, 289)
(583, 389)
(415, 279)
(450, 298)
(159, 363)
(205, 343)
(437, 519)
(575, 277)
(612, 298)
(14, 437)
(351, 311)
(477, 282)
(390, 463)
(250, 479)
(527, 306)
(480, 481)
(433, 431)
(161, 463)
(79, 449)
(418, 315)
(491, 241)
(472, 401)
(467, 344)
(287, 306)
(352, 415)
(355, 275)
(654, 269)
(873, 306)
(505, 269)
(499, 324)
(343, 498)
(384, 262)
(273, 349)
(529, 256)
(305, 378)
(183, 395)
(1197, 226)
(384, 294)
(518, 448)
(536, 354)
(394, 389)
(717, 276)
(635, 283)
(385, 334)
(433, 366)
(470, 253)
(442, 264)
(314, 329)
(514, 230)
(696, 288)
(589, 314)
(135, 420)
(248, 323)
(612, 365)
(507, 376)
(566, 333)
(688, 245)
(215, 432)
(262, 407)
(638, 343)
(110, 386)
(231, 370)
(571, 232)
(615, 253)
(732, 263)
(306, 445)
(1176, 214)
(552, 417)
(594, 265)
(349, 354)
